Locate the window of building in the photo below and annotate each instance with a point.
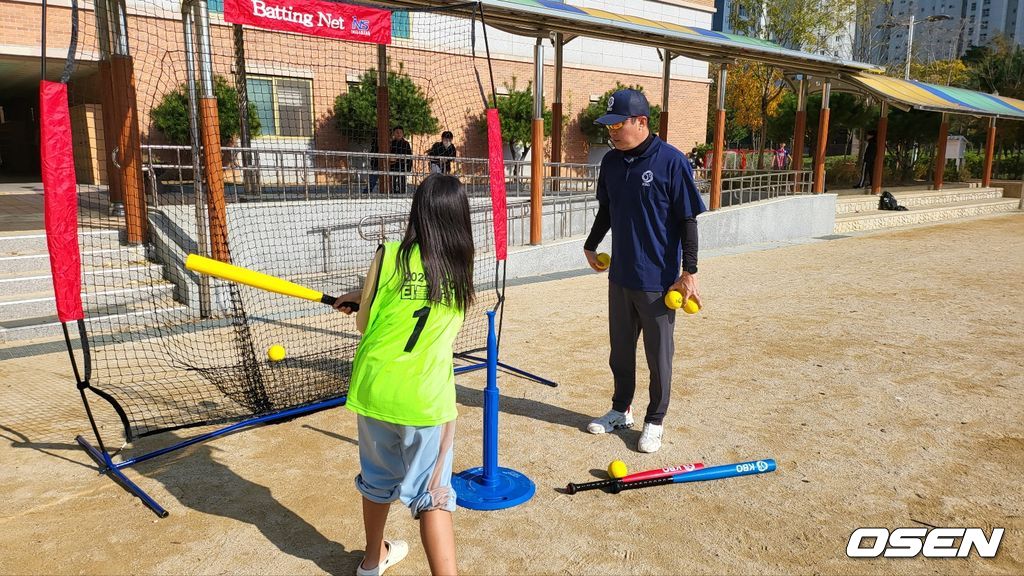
(284, 105)
(401, 26)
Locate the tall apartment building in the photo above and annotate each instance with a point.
(969, 23)
(839, 44)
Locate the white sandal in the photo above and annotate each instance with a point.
(397, 551)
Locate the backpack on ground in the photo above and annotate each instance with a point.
(888, 202)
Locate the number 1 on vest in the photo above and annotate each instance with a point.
(422, 314)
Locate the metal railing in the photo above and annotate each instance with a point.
(764, 186)
(279, 174)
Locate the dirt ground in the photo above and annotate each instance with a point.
(883, 372)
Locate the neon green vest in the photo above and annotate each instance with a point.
(403, 371)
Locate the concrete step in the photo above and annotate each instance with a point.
(122, 317)
(35, 243)
(22, 283)
(880, 219)
(37, 264)
(43, 304)
(869, 202)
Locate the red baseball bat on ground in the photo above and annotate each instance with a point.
(645, 475)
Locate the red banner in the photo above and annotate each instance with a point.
(314, 17)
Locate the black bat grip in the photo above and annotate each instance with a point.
(330, 301)
(619, 486)
(572, 488)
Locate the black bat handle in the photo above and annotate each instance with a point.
(330, 300)
(574, 488)
(619, 486)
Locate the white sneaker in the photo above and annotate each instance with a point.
(397, 550)
(650, 439)
(613, 420)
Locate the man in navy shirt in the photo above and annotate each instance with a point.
(648, 199)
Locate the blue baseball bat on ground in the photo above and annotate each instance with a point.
(713, 473)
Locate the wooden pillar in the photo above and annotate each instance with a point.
(819, 156)
(111, 136)
(556, 116)
(666, 84)
(990, 150)
(798, 135)
(105, 16)
(878, 166)
(718, 153)
(209, 127)
(129, 147)
(940, 152)
(383, 119)
(537, 150)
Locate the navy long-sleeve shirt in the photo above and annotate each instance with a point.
(648, 199)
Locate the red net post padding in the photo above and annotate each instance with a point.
(496, 162)
(60, 199)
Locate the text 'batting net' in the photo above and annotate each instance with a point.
(309, 190)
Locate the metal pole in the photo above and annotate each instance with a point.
(910, 47)
(666, 81)
(213, 167)
(537, 157)
(111, 115)
(128, 146)
(556, 115)
(718, 154)
(798, 134)
(383, 121)
(249, 181)
(202, 18)
(197, 169)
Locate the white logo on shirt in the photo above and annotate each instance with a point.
(647, 177)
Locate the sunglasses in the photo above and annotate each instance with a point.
(618, 125)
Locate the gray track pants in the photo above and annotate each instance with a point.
(630, 313)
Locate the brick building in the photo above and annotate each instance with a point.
(293, 80)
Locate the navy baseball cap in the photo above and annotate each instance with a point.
(623, 105)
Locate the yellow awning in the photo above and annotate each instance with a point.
(923, 96)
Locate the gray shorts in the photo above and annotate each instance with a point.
(408, 463)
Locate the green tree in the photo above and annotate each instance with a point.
(808, 25)
(171, 115)
(906, 131)
(355, 111)
(596, 133)
(516, 113)
(997, 69)
(734, 131)
(942, 72)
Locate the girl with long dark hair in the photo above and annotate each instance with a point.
(403, 382)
